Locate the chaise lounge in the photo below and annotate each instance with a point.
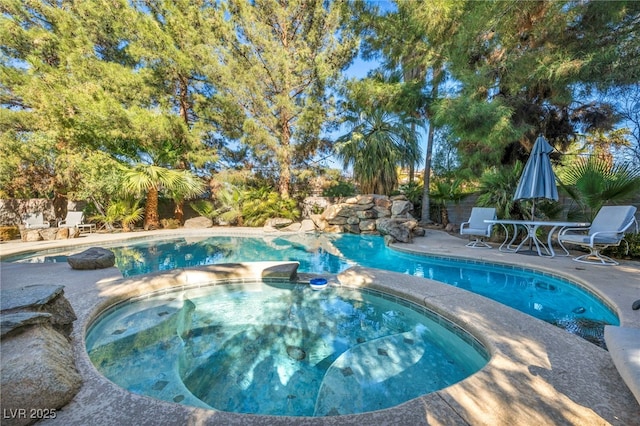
(35, 221)
(72, 220)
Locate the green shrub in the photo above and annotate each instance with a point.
(261, 204)
(413, 192)
(203, 208)
(8, 233)
(629, 248)
(340, 189)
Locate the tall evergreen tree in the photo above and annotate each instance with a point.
(413, 38)
(520, 65)
(279, 59)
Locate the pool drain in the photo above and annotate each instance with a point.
(296, 353)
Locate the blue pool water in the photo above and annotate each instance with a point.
(543, 296)
(279, 348)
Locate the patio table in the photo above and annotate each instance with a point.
(531, 227)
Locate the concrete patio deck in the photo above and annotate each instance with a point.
(538, 374)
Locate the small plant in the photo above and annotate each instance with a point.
(413, 192)
(203, 208)
(629, 248)
(170, 223)
(497, 187)
(262, 203)
(126, 211)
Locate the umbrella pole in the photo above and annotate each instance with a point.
(533, 211)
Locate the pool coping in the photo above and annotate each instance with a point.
(538, 374)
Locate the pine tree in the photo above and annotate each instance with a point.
(279, 59)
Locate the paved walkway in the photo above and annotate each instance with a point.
(538, 373)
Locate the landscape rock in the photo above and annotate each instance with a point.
(307, 225)
(42, 299)
(92, 258)
(365, 199)
(30, 235)
(294, 227)
(351, 228)
(401, 207)
(198, 222)
(360, 214)
(48, 234)
(10, 323)
(37, 372)
(338, 220)
(419, 231)
(278, 222)
(367, 225)
(400, 229)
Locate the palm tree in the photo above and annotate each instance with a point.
(376, 145)
(496, 189)
(190, 187)
(445, 190)
(595, 181)
(151, 179)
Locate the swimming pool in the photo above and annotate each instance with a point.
(544, 296)
(280, 348)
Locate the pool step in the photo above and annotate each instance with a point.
(358, 371)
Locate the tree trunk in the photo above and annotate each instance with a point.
(284, 181)
(178, 211)
(425, 215)
(151, 218)
(412, 166)
(445, 215)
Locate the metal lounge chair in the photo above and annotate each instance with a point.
(477, 227)
(606, 230)
(72, 220)
(35, 221)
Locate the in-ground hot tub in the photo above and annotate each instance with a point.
(280, 348)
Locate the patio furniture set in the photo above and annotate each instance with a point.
(607, 229)
(72, 220)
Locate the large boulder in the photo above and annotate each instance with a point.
(92, 258)
(45, 300)
(37, 373)
(399, 229)
(198, 222)
(401, 208)
(307, 225)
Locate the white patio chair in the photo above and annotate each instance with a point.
(477, 227)
(606, 230)
(72, 220)
(35, 221)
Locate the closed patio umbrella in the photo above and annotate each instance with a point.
(537, 180)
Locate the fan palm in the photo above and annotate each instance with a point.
(126, 211)
(593, 182)
(150, 180)
(376, 145)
